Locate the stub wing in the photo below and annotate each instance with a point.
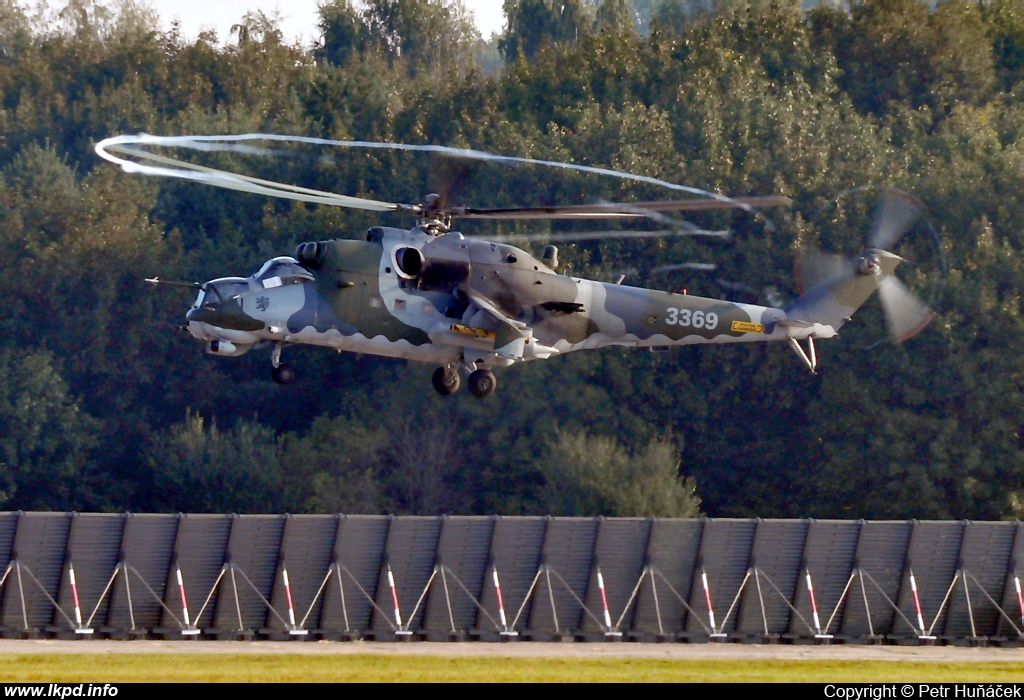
(512, 336)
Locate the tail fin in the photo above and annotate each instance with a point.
(840, 286)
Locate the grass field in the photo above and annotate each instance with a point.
(111, 668)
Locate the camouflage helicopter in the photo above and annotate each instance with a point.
(434, 295)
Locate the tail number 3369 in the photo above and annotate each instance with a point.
(696, 319)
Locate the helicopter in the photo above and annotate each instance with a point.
(469, 305)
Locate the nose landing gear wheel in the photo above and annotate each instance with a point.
(482, 382)
(283, 374)
(446, 380)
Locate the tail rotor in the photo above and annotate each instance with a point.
(895, 215)
(905, 314)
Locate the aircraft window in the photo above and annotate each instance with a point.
(283, 270)
(222, 290)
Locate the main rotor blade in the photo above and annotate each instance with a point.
(238, 143)
(815, 267)
(895, 215)
(683, 266)
(127, 145)
(905, 314)
(173, 167)
(600, 235)
(615, 210)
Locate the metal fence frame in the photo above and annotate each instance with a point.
(495, 578)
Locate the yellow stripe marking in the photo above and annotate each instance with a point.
(472, 332)
(744, 327)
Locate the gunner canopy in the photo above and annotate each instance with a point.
(278, 272)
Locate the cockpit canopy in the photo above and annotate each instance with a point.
(277, 272)
(222, 290)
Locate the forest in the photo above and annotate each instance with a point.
(105, 407)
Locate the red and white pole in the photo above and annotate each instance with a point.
(288, 594)
(814, 603)
(181, 590)
(394, 597)
(74, 594)
(917, 602)
(707, 597)
(1020, 599)
(501, 603)
(604, 601)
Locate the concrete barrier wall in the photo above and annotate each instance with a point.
(492, 578)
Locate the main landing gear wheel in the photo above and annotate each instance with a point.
(283, 374)
(482, 382)
(446, 380)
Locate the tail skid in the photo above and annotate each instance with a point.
(810, 358)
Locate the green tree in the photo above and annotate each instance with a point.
(431, 35)
(46, 441)
(257, 27)
(336, 467)
(532, 24)
(615, 16)
(595, 475)
(343, 30)
(898, 51)
(1004, 22)
(204, 469)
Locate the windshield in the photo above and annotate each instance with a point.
(224, 289)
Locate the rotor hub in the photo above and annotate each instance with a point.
(869, 264)
(433, 217)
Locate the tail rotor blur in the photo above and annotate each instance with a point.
(895, 215)
(905, 314)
